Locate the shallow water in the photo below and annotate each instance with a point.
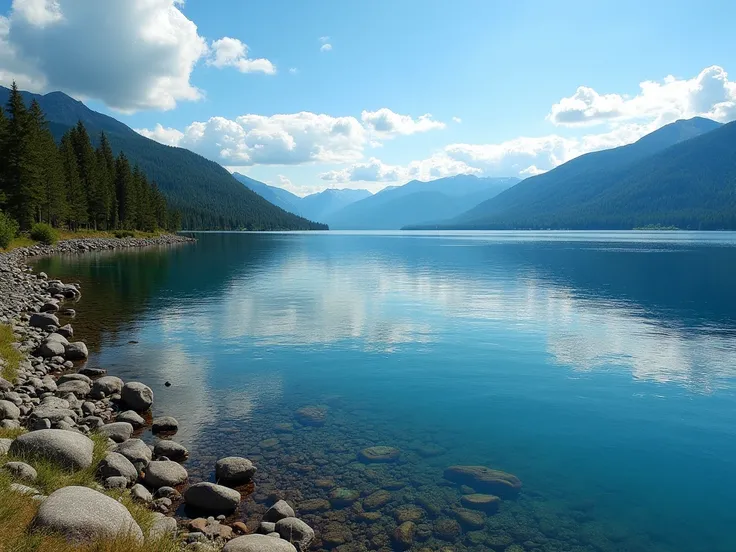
(597, 367)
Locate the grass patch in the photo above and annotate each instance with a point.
(6, 433)
(10, 355)
(17, 513)
(21, 241)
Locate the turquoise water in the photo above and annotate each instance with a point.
(597, 367)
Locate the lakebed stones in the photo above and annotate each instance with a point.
(343, 497)
(482, 478)
(312, 415)
(81, 513)
(376, 500)
(212, 497)
(234, 470)
(278, 511)
(165, 473)
(379, 454)
(258, 543)
(137, 396)
(483, 502)
(296, 532)
(404, 534)
(66, 448)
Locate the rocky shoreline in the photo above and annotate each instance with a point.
(61, 412)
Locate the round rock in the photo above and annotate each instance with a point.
(295, 531)
(8, 411)
(21, 470)
(116, 465)
(379, 454)
(132, 417)
(165, 473)
(278, 511)
(258, 543)
(165, 424)
(105, 386)
(234, 470)
(67, 448)
(171, 450)
(81, 513)
(212, 497)
(76, 351)
(137, 396)
(117, 431)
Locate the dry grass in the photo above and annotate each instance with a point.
(22, 241)
(10, 355)
(17, 513)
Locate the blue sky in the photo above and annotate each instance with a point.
(501, 80)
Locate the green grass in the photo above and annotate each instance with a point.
(9, 354)
(25, 241)
(17, 512)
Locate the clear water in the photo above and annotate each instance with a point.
(597, 367)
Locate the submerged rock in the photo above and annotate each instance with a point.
(343, 497)
(234, 470)
(296, 532)
(82, 513)
(312, 415)
(486, 479)
(379, 454)
(404, 534)
(212, 497)
(165, 424)
(258, 543)
(278, 511)
(171, 450)
(376, 500)
(484, 502)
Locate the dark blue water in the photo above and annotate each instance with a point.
(597, 367)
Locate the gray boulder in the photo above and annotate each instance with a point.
(116, 465)
(136, 451)
(258, 543)
(51, 348)
(78, 388)
(69, 449)
(5, 446)
(74, 377)
(81, 513)
(162, 526)
(24, 490)
(21, 470)
(212, 497)
(165, 473)
(52, 413)
(67, 331)
(43, 320)
(278, 511)
(117, 431)
(296, 532)
(106, 386)
(132, 417)
(76, 351)
(141, 494)
(234, 470)
(137, 396)
(165, 424)
(8, 411)
(116, 482)
(171, 450)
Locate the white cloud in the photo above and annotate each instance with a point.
(437, 166)
(324, 39)
(290, 139)
(709, 94)
(132, 54)
(231, 52)
(457, 120)
(325, 48)
(293, 70)
(385, 123)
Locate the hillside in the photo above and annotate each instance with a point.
(418, 202)
(207, 196)
(273, 194)
(669, 177)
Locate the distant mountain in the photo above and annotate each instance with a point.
(314, 207)
(278, 196)
(417, 202)
(683, 175)
(207, 196)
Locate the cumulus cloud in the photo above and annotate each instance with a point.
(231, 52)
(437, 166)
(709, 94)
(325, 48)
(457, 120)
(130, 54)
(385, 123)
(289, 139)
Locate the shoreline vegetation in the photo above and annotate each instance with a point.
(74, 473)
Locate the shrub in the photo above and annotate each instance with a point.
(8, 230)
(44, 233)
(124, 234)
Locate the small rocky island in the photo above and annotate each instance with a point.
(71, 440)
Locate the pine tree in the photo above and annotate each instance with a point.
(75, 194)
(3, 168)
(106, 167)
(97, 199)
(50, 192)
(125, 188)
(18, 171)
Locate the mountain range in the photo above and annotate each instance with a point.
(415, 202)
(317, 206)
(682, 175)
(205, 194)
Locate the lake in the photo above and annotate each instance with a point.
(597, 367)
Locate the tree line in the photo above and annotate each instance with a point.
(72, 184)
